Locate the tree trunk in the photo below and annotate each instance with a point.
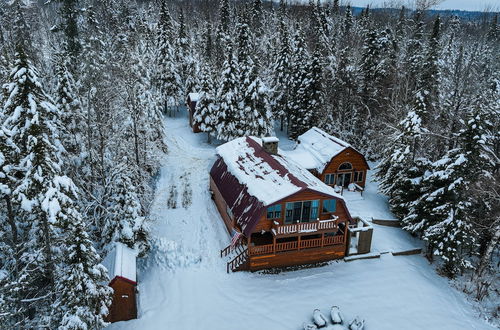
(136, 142)
(209, 138)
(490, 247)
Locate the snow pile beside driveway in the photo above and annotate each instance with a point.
(197, 294)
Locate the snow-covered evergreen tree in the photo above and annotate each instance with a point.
(447, 230)
(82, 295)
(299, 80)
(206, 112)
(126, 222)
(228, 96)
(69, 107)
(428, 84)
(398, 167)
(280, 80)
(169, 79)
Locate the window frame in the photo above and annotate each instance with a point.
(346, 169)
(325, 202)
(357, 174)
(276, 212)
(313, 211)
(331, 176)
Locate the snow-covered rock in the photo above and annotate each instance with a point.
(357, 324)
(319, 318)
(308, 326)
(336, 315)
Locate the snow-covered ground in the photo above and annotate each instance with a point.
(183, 284)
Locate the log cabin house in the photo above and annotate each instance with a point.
(332, 160)
(285, 215)
(191, 101)
(121, 265)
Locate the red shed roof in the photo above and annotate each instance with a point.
(250, 179)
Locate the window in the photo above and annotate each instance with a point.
(345, 166)
(329, 205)
(274, 212)
(303, 211)
(330, 179)
(358, 176)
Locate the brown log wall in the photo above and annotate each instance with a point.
(266, 224)
(221, 206)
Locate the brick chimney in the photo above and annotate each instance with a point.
(270, 144)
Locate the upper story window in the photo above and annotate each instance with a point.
(304, 211)
(274, 212)
(329, 205)
(345, 166)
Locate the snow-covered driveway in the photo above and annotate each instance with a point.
(184, 286)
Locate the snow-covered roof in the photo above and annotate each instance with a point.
(250, 179)
(316, 149)
(121, 262)
(270, 139)
(194, 97)
(267, 177)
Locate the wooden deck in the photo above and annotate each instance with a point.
(296, 245)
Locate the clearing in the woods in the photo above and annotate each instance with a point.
(183, 284)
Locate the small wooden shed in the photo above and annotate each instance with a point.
(121, 265)
(191, 101)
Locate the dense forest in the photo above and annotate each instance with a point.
(87, 85)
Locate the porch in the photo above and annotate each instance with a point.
(297, 243)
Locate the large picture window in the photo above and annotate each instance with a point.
(304, 211)
(329, 205)
(330, 179)
(274, 212)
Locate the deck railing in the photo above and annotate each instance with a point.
(295, 245)
(304, 227)
(288, 246)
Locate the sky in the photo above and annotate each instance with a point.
(469, 5)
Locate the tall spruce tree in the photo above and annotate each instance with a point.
(228, 95)
(280, 81)
(206, 112)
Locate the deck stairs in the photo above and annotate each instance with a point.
(237, 256)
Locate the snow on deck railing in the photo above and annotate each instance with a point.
(362, 225)
(305, 227)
